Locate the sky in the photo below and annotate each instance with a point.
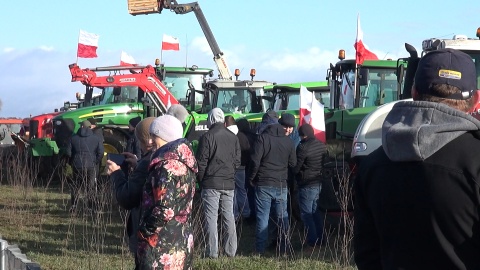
(285, 41)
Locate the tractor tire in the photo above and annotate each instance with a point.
(113, 142)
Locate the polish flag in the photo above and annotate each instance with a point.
(312, 112)
(346, 93)
(127, 60)
(87, 45)
(362, 52)
(170, 43)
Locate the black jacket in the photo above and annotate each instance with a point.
(85, 149)
(417, 198)
(218, 156)
(128, 193)
(273, 152)
(133, 145)
(310, 156)
(244, 148)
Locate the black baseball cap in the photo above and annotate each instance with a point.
(446, 66)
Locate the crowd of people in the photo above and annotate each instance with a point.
(417, 197)
(242, 174)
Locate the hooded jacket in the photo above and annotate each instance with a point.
(273, 152)
(218, 156)
(417, 198)
(85, 149)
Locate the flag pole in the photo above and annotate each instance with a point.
(78, 42)
(355, 81)
(186, 50)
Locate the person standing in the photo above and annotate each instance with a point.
(273, 152)
(417, 197)
(133, 145)
(218, 157)
(308, 175)
(85, 151)
(165, 234)
(241, 208)
(97, 130)
(128, 191)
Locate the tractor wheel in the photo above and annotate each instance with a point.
(113, 142)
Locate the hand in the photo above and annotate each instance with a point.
(111, 167)
(131, 159)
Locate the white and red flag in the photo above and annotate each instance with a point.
(87, 45)
(362, 52)
(127, 60)
(312, 112)
(170, 43)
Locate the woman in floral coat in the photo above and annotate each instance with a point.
(165, 233)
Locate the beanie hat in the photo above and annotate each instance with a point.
(142, 130)
(86, 124)
(287, 120)
(167, 128)
(446, 66)
(306, 130)
(134, 121)
(216, 115)
(178, 111)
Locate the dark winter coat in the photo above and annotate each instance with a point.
(165, 231)
(273, 152)
(218, 156)
(310, 156)
(85, 149)
(128, 193)
(133, 145)
(417, 198)
(244, 148)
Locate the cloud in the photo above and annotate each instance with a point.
(46, 48)
(8, 49)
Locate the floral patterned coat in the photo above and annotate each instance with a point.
(165, 233)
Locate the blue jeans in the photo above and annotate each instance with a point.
(311, 217)
(275, 198)
(212, 199)
(240, 201)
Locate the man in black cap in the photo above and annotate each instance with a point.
(417, 198)
(133, 145)
(273, 152)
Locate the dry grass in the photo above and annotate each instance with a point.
(34, 215)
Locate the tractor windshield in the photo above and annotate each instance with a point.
(177, 84)
(290, 100)
(124, 94)
(235, 100)
(380, 87)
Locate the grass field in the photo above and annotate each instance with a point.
(36, 218)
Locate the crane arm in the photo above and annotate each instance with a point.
(146, 80)
(156, 6)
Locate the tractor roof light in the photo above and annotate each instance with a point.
(341, 54)
(157, 62)
(252, 73)
(110, 79)
(478, 32)
(237, 72)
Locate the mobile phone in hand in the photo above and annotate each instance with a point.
(119, 159)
